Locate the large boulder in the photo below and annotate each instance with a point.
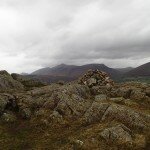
(95, 112)
(8, 83)
(73, 100)
(124, 92)
(138, 94)
(119, 134)
(105, 111)
(125, 115)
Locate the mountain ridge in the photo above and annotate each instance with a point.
(142, 70)
(73, 70)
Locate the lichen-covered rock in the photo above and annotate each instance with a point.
(76, 116)
(117, 99)
(95, 112)
(3, 103)
(44, 90)
(70, 100)
(25, 113)
(91, 82)
(125, 115)
(26, 81)
(101, 97)
(124, 92)
(118, 135)
(8, 83)
(105, 111)
(137, 94)
(73, 105)
(96, 77)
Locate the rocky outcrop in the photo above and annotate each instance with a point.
(95, 112)
(26, 81)
(86, 115)
(8, 83)
(99, 112)
(119, 134)
(3, 103)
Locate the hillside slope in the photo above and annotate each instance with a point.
(75, 71)
(124, 70)
(143, 70)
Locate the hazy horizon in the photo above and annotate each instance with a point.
(45, 33)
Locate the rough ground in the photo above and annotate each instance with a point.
(94, 114)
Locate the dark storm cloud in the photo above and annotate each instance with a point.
(37, 33)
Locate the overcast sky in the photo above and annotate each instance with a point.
(40, 33)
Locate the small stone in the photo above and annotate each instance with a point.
(101, 97)
(26, 113)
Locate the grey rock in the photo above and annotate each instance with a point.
(137, 94)
(118, 134)
(124, 92)
(101, 97)
(125, 115)
(95, 112)
(105, 111)
(8, 83)
(3, 103)
(117, 99)
(91, 81)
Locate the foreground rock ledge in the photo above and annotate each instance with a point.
(89, 114)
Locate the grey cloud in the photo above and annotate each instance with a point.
(37, 33)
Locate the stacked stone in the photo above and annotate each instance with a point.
(96, 78)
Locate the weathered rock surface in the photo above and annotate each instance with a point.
(8, 83)
(104, 111)
(3, 104)
(119, 134)
(27, 82)
(96, 77)
(88, 111)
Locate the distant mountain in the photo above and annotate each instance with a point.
(124, 70)
(143, 70)
(73, 71)
(23, 73)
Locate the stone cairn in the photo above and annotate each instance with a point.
(96, 78)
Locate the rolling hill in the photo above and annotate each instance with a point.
(75, 71)
(141, 71)
(72, 72)
(124, 70)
